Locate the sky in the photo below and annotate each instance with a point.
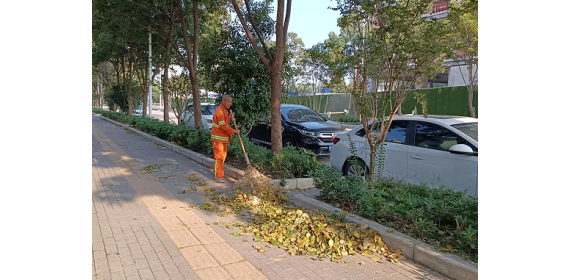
(311, 20)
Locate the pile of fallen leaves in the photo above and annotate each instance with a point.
(297, 231)
(151, 168)
(257, 184)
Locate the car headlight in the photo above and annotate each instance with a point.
(308, 133)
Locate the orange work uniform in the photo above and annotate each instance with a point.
(221, 135)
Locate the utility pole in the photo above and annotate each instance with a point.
(150, 75)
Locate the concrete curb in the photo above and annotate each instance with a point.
(230, 171)
(444, 263)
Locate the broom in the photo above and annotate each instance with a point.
(242, 147)
(252, 181)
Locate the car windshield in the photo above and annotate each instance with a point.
(302, 115)
(470, 129)
(208, 109)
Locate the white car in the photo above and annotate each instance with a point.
(207, 114)
(139, 111)
(438, 150)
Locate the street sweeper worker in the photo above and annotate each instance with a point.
(221, 136)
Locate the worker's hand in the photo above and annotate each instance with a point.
(232, 115)
(236, 130)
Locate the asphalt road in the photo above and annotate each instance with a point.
(160, 115)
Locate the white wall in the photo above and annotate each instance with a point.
(455, 78)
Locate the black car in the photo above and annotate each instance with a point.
(302, 127)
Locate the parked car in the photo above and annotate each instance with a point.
(437, 150)
(302, 127)
(139, 111)
(207, 114)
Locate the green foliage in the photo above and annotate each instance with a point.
(199, 141)
(442, 217)
(229, 65)
(290, 163)
(117, 95)
(462, 26)
(348, 118)
(325, 178)
(259, 156)
(179, 135)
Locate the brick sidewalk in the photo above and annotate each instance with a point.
(143, 230)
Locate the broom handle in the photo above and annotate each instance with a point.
(242, 147)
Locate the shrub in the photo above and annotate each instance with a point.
(442, 217)
(325, 178)
(200, 141)
(179, 135)
(348, 118)
(259, 157)
(292, 163)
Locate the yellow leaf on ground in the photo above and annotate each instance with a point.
(276, 259)
(390, 230)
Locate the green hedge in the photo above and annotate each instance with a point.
(290, 163)
(442, 217)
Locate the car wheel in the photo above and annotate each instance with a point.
(355, 168)
(289, 142)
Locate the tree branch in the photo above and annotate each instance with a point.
(250, 36)
(185, 35)
(196, 26)
(287, 16)
(259, 36)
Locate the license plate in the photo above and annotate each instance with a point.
(330, 148)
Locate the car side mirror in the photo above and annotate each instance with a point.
(462, 149)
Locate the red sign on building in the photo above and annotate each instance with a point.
(440, 7)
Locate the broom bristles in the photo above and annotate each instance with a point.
(255, 183)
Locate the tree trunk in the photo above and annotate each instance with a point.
(400, 111)
(196, 100)
(471, 109)
(192, 61)
(165, 93)
(145, 99)
(130, 97)
(276, 139)
(373, 149)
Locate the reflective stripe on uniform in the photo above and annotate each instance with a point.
(221, 122)
(215, 125)
(220, 137)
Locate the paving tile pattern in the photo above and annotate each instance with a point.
(142, 228)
